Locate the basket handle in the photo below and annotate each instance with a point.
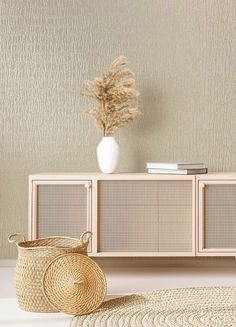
(89, 235)
(13, 238)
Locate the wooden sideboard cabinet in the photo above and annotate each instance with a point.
(137, 214)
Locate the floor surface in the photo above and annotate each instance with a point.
(118, 281)
(11, 315)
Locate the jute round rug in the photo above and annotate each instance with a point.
(190, 307)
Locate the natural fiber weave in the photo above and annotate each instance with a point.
(74, 284)
(195, 307)
(33, 258)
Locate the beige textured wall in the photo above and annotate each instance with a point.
(183, 53)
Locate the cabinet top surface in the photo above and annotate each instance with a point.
(98, 175)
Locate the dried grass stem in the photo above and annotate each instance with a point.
(116, 96)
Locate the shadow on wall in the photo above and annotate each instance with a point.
(146, 128)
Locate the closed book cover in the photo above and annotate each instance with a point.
(168, 165)
(178, 171)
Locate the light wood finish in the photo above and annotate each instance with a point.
(127, 201)
(54, 200)
(145, 216)
(100, 176)
(216, 212)
(94, 215)
(186, 237)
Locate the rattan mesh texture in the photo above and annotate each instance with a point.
(61, 210)
(157, 212)
(74, 284)
(220, 216)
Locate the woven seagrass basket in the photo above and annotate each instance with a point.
(33, 258)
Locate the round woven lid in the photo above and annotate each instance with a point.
(74, 284)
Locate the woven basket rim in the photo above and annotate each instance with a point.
(79, 243)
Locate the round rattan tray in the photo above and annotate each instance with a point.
(74, 284)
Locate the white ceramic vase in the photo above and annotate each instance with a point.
(108, 154)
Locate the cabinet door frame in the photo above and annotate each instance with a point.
(95, 228)
(201, 250)
(33, 194)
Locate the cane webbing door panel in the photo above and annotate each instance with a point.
(61, 208)
(137, 214)
(145, 216)
(217, 216)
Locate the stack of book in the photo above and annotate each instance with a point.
(176, 168)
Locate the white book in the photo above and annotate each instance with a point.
(178, 171)
(168, 165)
